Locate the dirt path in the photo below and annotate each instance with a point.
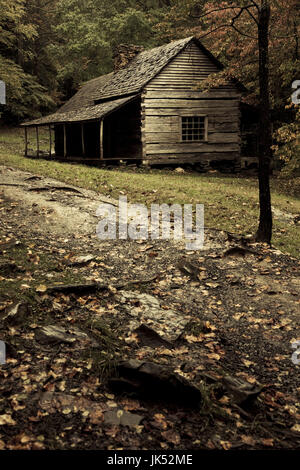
(212, 317)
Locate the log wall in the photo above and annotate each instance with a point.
(171, 95)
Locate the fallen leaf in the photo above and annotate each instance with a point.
(226, 445)
(41, 288)
(296, 428)
(248, 440)
(268, 442)
(6, 420)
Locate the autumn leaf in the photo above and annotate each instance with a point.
(248, 440)
(41, 288)
(296, 428)
(160, 421)
(6, 420)
(247, 363)
(24, 439)
(194, 339)
(226, 445)
(268, 442)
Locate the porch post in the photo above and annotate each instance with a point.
(37, 142)
(26, 142)
(82, 140)
(101, 139)
(50, 135)
(65, 141)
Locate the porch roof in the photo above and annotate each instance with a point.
(89, 113)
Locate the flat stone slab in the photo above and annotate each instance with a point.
(57, 334)
(146, 309)
(15, 314)
(154, 381)
(121, 417)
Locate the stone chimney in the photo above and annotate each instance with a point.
(125, 53)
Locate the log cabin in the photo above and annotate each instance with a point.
(149, 110)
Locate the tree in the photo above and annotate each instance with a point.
(89, 30)
(264, 232)
(240, 33)
(25, 96)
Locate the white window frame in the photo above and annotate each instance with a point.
(191, 115)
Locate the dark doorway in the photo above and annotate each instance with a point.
(122, 133)
(73, 133)
(59, 140)
(91, 132)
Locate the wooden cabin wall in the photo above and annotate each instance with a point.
(171, 95)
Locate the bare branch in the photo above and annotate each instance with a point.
(221, 9)
(255, 5)
(215, 29)
(252, 16)
(232, 24)
(242, 33)
(226, 26)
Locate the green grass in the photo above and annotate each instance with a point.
(231, 202)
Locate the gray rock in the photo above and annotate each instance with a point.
(82, 260)
(57, 334)
(243, 392)
(145, 309)
(15, 314)
(155, 381)
(121, 417)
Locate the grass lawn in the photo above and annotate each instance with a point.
(231, 202)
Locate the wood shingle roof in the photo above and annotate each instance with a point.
(102, 95)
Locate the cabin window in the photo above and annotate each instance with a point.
(194, 128)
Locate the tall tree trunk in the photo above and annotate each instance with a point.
(264, 232)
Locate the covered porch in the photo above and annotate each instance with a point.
(112, 136)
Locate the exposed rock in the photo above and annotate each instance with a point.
(242, 392)
(189, 269)
(81, 260)
(239, 251)
(16, 313)
(149, 337)
(154, 381)
(117, 417)
(179, 170)
(56, 401)
(57, 334)
(146, 309)
(2, 352)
